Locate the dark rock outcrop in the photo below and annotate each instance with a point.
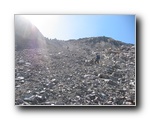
(27, 36)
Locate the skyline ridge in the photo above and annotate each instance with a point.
(65, 27)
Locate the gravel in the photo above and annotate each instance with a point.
(66, 76)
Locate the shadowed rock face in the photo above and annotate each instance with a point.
(27, 36)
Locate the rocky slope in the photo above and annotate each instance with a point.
(63, 73)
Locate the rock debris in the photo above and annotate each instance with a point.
(63, 73)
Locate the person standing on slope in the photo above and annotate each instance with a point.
(97, 60)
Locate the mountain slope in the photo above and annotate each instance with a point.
(27, 36)
(64, 73)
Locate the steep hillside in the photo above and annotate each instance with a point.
(64, 73)
(27, 36)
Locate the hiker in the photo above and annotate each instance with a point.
(97, 58)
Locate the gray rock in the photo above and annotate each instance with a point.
(21, 62)
(29, 98)
(43, 91)
(104, 76)
(85, 76)
(20, 78)
(117, 74)
(112, 83)
(18, 86)
(22, 81)
(128, 103)
(53, 80)
(119, 101)
(102, 95)
(92, 96)
(113, 78)
(40, 98)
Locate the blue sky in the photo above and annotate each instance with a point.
(64, 27)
